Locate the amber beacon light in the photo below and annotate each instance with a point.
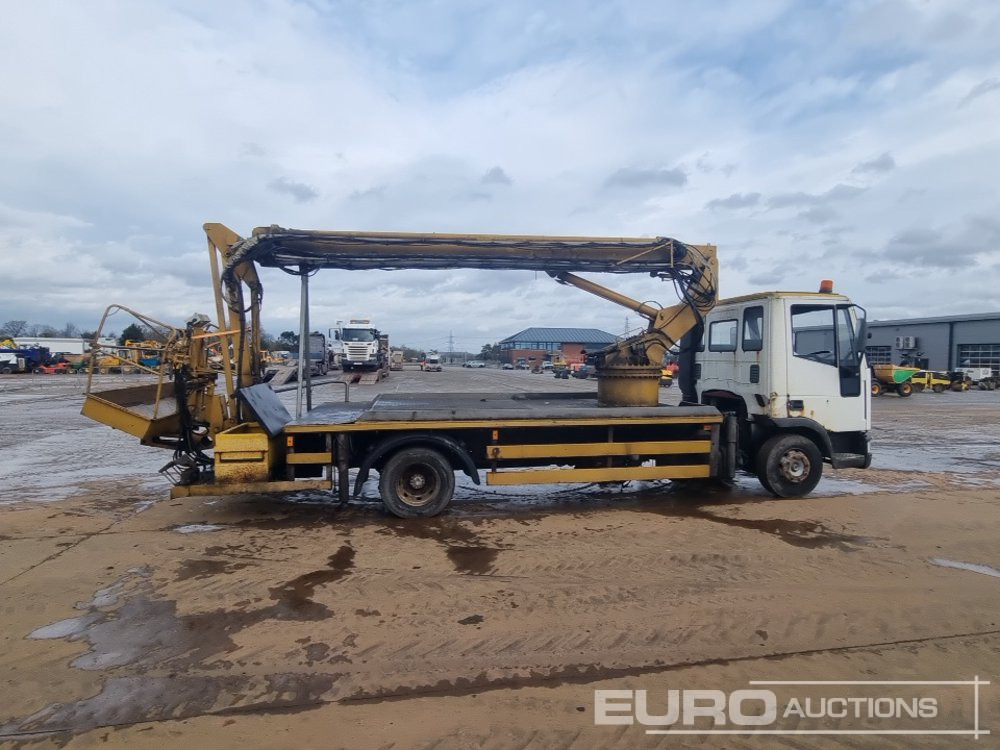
(826, 286)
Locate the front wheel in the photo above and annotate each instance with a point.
(876, 389)
(789, 465)
(938, 388)
(904, 389)
(416, 482)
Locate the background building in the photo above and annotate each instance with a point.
(539, 344)
(946, 342)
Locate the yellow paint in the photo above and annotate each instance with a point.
(638, 448)
(449, 424)
(245, 453)
(309, 458)
(616, 474)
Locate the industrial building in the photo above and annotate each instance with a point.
(539, 344)
(942, 343)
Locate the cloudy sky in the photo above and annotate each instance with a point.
(848, 139)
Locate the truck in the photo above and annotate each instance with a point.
(318, 358)
(773, 384)
(361, 347)
(396, 359)
(14, 358)
(431, 363)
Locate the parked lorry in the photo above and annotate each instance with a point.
(318, 358)
(773, 383)
(396, 359)
(361, 348)
(14, 358)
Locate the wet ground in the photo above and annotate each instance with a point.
(131, 619)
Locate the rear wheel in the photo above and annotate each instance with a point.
(876, 389)
(938, 388)
(905, 389)
(789, 465)
(416, 482)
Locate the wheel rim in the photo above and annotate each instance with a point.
(794, 466)
(417, 486)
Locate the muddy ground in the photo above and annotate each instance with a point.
(129, 619)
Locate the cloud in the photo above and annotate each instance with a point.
(299, 191)
(980, 89)
(838, 192)
(768, 278)
(929, 247)
(639, 177)
(378, 116)
(495, 176)
(734, 201)
(879, 165)
(819, 214)
(372, 193)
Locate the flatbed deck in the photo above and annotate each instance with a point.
(403, 410)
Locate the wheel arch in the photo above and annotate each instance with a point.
(454, 451)
(808, 428)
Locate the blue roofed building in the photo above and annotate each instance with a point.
(532, 346)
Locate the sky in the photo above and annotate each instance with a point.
(853, 140)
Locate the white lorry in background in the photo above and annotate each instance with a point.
(396, 360)
(432, 363)
(360, 348)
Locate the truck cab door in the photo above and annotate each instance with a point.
(825, 360)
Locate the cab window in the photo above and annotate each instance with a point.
(814, 333)
(753, 329)
(722, 336)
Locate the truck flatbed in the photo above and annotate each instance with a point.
(497, 409)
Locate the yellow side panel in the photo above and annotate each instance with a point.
(638, 448)
(309, 458)
(616, 474)
(245, 453)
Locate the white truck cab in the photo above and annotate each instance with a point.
(790, 366)
(359, 345)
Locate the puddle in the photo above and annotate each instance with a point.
(986, 570)
(961, 458)
(467, 551)
(197, 528)
(198, 569)
(147, 698)
(139, 629)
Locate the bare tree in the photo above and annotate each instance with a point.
(14, 328)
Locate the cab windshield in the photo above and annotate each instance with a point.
(358, 334)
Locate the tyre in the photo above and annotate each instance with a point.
(102, 370)
(876, 389)
(789, 465)
(938, 388)
(7, 371)
(904, 389)
(416, 482)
